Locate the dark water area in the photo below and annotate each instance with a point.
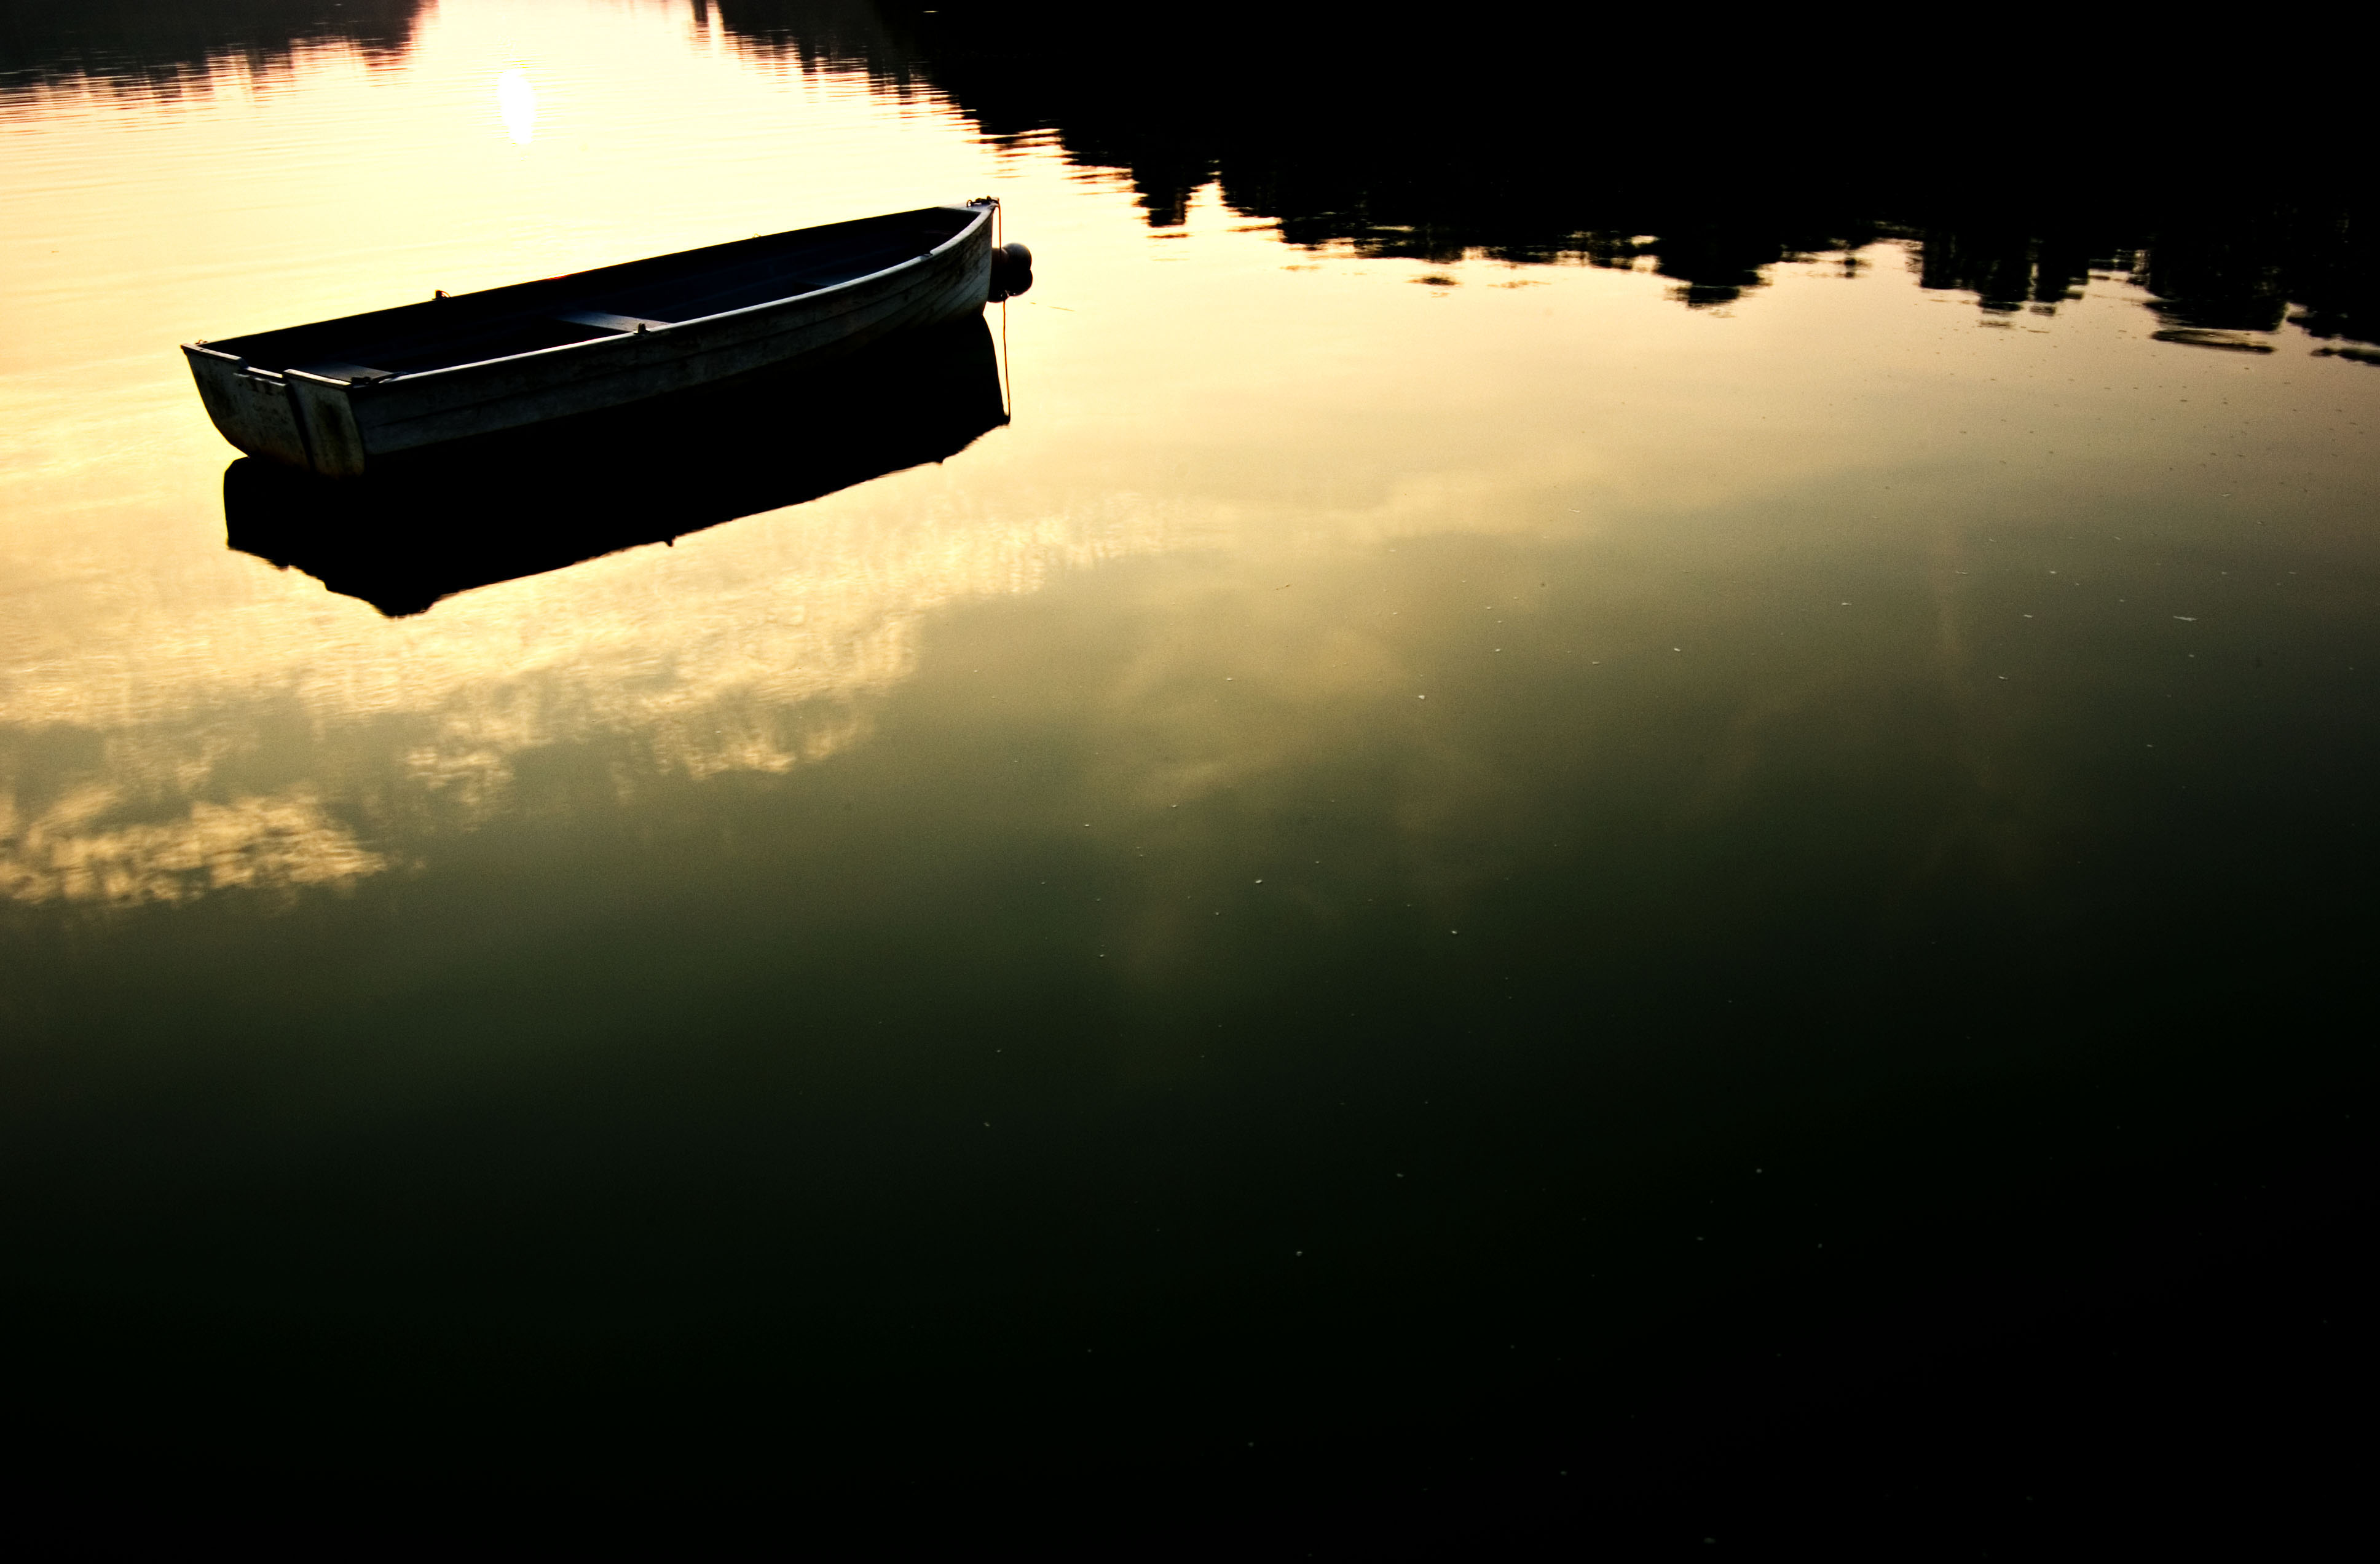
(1588, 796)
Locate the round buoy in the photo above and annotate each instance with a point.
(1012, 271)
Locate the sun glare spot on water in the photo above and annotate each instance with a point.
(516, 104)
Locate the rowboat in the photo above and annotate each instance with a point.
(481, 511)
(340, 397)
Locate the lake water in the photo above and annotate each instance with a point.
(1494, 840)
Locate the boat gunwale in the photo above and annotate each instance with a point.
(983, 214)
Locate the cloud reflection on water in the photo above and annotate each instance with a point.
(72, 851)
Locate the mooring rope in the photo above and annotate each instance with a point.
(1007, 387)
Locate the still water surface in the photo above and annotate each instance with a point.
(1421, 815)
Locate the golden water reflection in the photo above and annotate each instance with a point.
(1206, 393)
(281, 843)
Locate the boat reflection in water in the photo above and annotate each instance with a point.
(522, 504)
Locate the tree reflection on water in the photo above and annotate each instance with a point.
(156, 42)
(1526, 137)
(1530, 137)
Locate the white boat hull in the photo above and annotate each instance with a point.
(340, 420)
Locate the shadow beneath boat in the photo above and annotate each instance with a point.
(526, 503)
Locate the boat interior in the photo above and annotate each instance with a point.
(591, 306)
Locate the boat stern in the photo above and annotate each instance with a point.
(250, 407)
(291, 417)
